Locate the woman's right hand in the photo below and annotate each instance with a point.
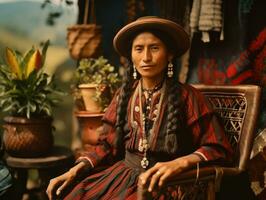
(58, 184)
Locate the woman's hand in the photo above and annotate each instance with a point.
(162, 171)
(58, 184)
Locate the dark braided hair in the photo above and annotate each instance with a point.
(126, 90)
(177, 139)
(174, 115)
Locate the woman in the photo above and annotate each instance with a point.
(157, 126)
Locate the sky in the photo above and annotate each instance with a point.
(27, 18)
(23, 24)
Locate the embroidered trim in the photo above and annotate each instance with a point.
(86, 158)
(145, 139)
(201, 155)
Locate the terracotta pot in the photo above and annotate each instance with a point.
(88, 93)
(27, 137)
(89, 125)
(84, 41)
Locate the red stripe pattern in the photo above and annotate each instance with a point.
(120, 181)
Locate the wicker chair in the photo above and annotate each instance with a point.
(238, 107)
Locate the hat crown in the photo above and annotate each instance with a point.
(147, 17)
(179, 36)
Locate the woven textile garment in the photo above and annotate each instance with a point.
(206, 15)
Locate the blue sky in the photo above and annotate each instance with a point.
(26, 18)
(23, 24)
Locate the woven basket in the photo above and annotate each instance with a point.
(27, 137)
(84, 40)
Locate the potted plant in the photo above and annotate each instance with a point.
(27, 95)
(94, 84)
(96, 75)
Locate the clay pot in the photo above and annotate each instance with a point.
(88, 93)
(89, 126)
(27, 137)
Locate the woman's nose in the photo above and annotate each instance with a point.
(147, 56)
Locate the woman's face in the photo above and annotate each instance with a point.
(149, 55)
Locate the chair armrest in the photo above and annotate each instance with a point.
(203, 173)
(193, 176)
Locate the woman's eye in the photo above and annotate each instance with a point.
(154, 48)
(138, 49)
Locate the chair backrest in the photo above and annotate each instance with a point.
(238, 107)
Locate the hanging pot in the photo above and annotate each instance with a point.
(27, 137)
(84, 40)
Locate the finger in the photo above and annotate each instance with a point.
(163, 178)
(54, 184)
(154, 179)
(146, 175)
(48, 192)
(51, 187)
(63, 186)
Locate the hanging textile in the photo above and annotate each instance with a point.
(206, 16)
(240, 58)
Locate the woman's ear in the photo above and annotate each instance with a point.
(170, 57)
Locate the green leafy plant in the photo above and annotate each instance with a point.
(97, 71)
(25, 89)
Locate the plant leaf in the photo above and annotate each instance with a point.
(44, 50)
(25, 61)
(34, 62)
(13, 62)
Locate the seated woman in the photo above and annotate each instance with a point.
(158, 126)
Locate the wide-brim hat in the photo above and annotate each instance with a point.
(177, 34)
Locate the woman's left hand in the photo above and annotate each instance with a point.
(162, 171)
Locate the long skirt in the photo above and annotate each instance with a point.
(119, 182)
(116, 182)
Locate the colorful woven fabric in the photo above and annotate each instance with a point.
(206, 15)
(120, 181)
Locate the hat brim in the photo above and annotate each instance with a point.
(179, 36)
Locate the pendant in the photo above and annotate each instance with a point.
(140, 145)
(143, 145)
(144, 162)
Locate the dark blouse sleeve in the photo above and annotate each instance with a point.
(208, 134)
(105, 145)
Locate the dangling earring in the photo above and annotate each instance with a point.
(170, 71)
(134, 72)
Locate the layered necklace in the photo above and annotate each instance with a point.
(144, 112)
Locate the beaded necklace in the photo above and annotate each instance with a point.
(143, 142)
(147, 106)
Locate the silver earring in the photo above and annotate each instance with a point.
(170, 71)
(134, 72)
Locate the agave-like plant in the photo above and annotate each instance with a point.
(25, 89)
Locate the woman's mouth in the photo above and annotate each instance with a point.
(146, 66)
